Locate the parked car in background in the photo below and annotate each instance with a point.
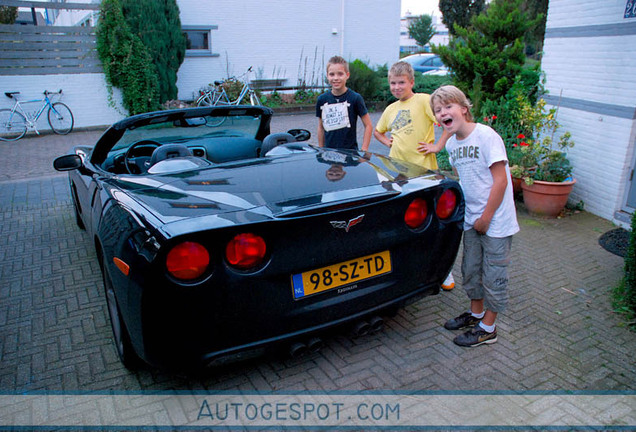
(424, 62)
(218, 239)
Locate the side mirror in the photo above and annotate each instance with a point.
(300, 134)
(67, 162)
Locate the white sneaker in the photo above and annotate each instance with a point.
(449, 283)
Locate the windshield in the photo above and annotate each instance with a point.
(190, 129)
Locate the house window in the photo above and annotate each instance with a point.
(199, 40)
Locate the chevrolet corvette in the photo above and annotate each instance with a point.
(219, 240)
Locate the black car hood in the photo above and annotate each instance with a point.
(269, 187)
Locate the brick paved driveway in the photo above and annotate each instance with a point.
(558, 334)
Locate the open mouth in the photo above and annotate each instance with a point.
(448, 122)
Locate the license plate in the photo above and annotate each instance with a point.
(337, 275)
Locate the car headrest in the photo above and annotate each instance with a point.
(168, 151)
(274, 140)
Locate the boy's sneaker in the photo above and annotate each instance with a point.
(449, 283)
(475, 337)
(464, 320)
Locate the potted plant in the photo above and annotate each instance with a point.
(546, 169)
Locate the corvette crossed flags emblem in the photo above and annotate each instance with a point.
(347, 225)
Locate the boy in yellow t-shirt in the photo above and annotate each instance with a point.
(409, 120)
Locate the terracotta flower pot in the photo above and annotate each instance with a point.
(516, 184)
(546, 199)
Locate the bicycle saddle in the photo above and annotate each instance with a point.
(10, 94)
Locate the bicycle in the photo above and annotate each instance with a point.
(15, 121)
(218, 95)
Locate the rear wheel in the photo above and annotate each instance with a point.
(60, 118)
(124, 347)
(12, 125)
(205, 100)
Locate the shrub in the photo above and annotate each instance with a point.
(624, 295)
(423, 84)
(159, 27)
(126, 62)
(363, 80)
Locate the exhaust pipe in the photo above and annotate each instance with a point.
(376, 323)
(298, 349)
(361, 328)
(314, 345)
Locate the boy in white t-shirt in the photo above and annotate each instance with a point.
(478, 155)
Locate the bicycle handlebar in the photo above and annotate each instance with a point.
(46, 92)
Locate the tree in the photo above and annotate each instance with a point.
(126, 62)
(157, 24)
(459, 12)
(534, 37)
(8, 14)
(486, 57)
(422, 29)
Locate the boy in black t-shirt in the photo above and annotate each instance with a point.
(339, 109)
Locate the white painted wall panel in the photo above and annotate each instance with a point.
(287, 39)
(569, 13)
(597, 69)
(85, 94)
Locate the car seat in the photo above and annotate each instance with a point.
(168, 151)
(274, 140)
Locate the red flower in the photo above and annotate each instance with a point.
(486, 119)
(524, 143)
(521, 136)
(494, 117)
(514, 145)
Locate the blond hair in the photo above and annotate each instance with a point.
(402, 68)
(338, 60)
(450, 94)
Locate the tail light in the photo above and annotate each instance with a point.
(187, 261)
(446, 204)
(416, 213)
(245, 251)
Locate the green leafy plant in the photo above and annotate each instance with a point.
(126, 61)
(158, 25)
(8, 14)
(624, 294)
(487, 56)
(363, 79)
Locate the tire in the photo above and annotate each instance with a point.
(60, 118)
(204, 100)
(121, 337)
(12, 125)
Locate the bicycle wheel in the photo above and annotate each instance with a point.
(60, 118)
(12, 125)
(205, 99)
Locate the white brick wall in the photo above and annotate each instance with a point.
(572, 13)
(85, 95)
(597, 69)
(295, 37)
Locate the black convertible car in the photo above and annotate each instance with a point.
(217, 239)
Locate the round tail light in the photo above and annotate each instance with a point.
(416, 213)
(446, 204)
(187, 261)
(245, 251)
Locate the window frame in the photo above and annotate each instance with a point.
(202, 29)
